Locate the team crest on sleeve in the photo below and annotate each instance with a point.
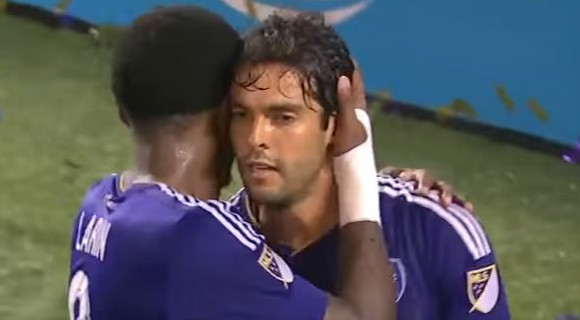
(483, 288)
(276, 266)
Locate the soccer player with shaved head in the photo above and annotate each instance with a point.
(151, 244)
(285, 105)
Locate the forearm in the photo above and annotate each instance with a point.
(365, 276)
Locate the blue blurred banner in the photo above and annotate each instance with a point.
(516, 63)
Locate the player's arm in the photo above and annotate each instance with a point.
(365, 286)
(468, 274)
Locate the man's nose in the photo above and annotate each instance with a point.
(259, 133)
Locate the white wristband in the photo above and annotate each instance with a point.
(356, 177)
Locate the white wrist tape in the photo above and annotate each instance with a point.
(356, 177)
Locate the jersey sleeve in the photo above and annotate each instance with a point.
(221, 269)
(468, 275)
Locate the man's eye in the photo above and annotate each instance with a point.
(238, 114)
(284, 118)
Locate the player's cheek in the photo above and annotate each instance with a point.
(239, 137)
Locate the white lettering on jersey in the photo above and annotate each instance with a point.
(95, 235)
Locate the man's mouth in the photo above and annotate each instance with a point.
(260, 168)
(260, 165)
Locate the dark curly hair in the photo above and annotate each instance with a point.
(174, 61)
(305, 43)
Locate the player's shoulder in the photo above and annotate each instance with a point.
(100, 190)
(213, 221)
(97, 195)
(400, 201)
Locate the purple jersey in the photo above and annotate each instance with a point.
(445, 268)
(152, 253)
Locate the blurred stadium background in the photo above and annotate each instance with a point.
(497, 71)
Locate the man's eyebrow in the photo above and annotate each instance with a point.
(237, 105)
(277, 107)
(285, 107)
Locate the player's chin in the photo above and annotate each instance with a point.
(265, 195)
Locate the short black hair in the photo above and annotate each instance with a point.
(303, 42)
(174, 60)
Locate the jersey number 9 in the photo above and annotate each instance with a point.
(78, 295)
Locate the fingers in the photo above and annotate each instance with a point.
(463, 202)
(344, 93)
(387, 170)
(468, 205)
(392, 171)
(352, 126)
(445, 193)
(358, 90)
(426, 182)
(448, 197)
(350, 131)
(351, 92)
(427, 185)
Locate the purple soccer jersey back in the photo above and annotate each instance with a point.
(153, 253)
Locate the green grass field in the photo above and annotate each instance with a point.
(59, 132)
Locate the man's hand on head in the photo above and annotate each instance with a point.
(350, 131)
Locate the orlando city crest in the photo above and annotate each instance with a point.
(276, 266)
(483, 288)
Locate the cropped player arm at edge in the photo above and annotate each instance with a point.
(366, 289)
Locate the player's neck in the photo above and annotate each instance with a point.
(180, 161)
(306, 221)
